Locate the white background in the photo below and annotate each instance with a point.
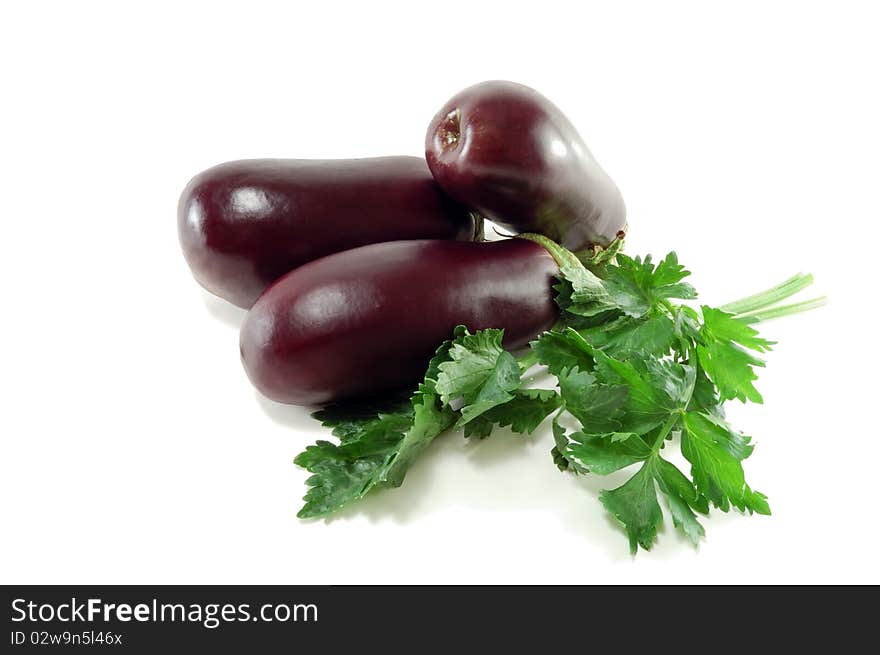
(743, 135)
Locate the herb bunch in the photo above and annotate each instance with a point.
(637, 371)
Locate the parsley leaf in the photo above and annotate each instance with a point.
(681, 498)
(559, 459)
(523, 414)
(597, 407)
(345, 472)
(560, 445)
(349, 422)
(479, 427)
(428, 420)
(655, 388)
(377, 445)
(496, 390)
(649, 335)
(687, 329)
(653, 402)
(724, 357)
(637, 286)
(583, 293)
(378, 454)
(635, 505)
(721, 326)
(716, 452)
(479, 372)
(562, 350)
(526, 411)
(706, 397)
(605, 453)
(560, 452)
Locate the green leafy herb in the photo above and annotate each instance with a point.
(605, 453)
(428, 420)
(343, 473)
(716, 452)
(597, 406)
(583, 292)
(644, 378)
(638, 286)
(526, 411)
(635, 505)
(724, 356)
(649, 335)
(561, 350)
(376, 447)
(479, 372)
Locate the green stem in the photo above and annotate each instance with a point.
(563, 256)
(559, 412)
(479, 227)
(664, 431)
(785, 310)
(769, 297)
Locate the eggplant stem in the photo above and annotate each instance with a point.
(561, 254)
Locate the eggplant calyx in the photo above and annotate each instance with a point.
(597, 255)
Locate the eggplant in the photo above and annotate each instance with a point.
(507, 152)
(365, 321)
(244, 224)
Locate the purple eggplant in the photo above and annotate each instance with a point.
(244, 224)
(365, 321)
(507, 152)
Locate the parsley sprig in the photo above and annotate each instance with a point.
(639, 374)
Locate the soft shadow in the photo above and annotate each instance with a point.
(500, 447)
(290, 416)
(223, 311)
(423, 491)
(572, 499)
(538, 486)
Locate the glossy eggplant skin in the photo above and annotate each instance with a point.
(362, 322)
(506, 151)
(244, 224)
